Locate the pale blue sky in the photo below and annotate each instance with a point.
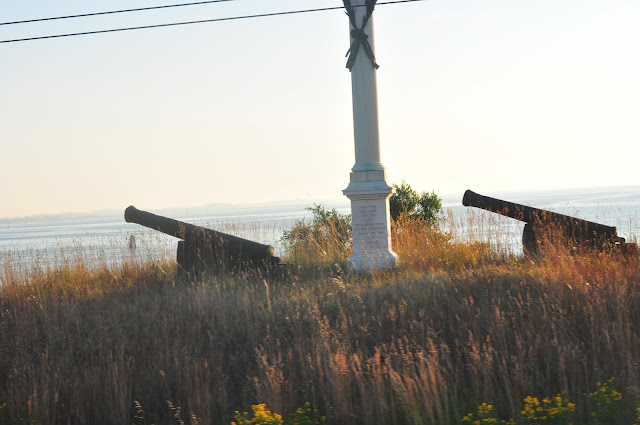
(494, 95)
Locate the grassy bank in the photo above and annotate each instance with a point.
(456, 325)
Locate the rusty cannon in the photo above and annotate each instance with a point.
(204, 250)
(544, 226)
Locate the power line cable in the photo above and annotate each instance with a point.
(231, 18)
(83, 15)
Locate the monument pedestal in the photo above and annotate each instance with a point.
(371, 224)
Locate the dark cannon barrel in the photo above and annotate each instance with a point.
(238, 248)
(534, 215)
(543, 225)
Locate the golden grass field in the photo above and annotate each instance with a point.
(457, 324)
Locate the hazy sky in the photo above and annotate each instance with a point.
(489, 95)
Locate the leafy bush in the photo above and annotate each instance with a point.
(326, 237)
(426, 206)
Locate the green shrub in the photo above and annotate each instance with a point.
(326, 237)
(426, 206)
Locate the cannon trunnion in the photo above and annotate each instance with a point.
(543, 226)
(205, 250)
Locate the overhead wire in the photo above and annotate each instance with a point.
(230, 18)
(109, 12)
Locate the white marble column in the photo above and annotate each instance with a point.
(368, 190)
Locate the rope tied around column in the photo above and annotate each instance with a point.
(360, 39)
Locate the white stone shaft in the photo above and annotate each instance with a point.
(365, 100)
(368, 190)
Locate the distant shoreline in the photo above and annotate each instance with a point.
(449, 199)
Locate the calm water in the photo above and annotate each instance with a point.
(104, 238)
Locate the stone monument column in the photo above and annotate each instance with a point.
(368, 190)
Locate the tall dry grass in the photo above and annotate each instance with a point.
(457, 324)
